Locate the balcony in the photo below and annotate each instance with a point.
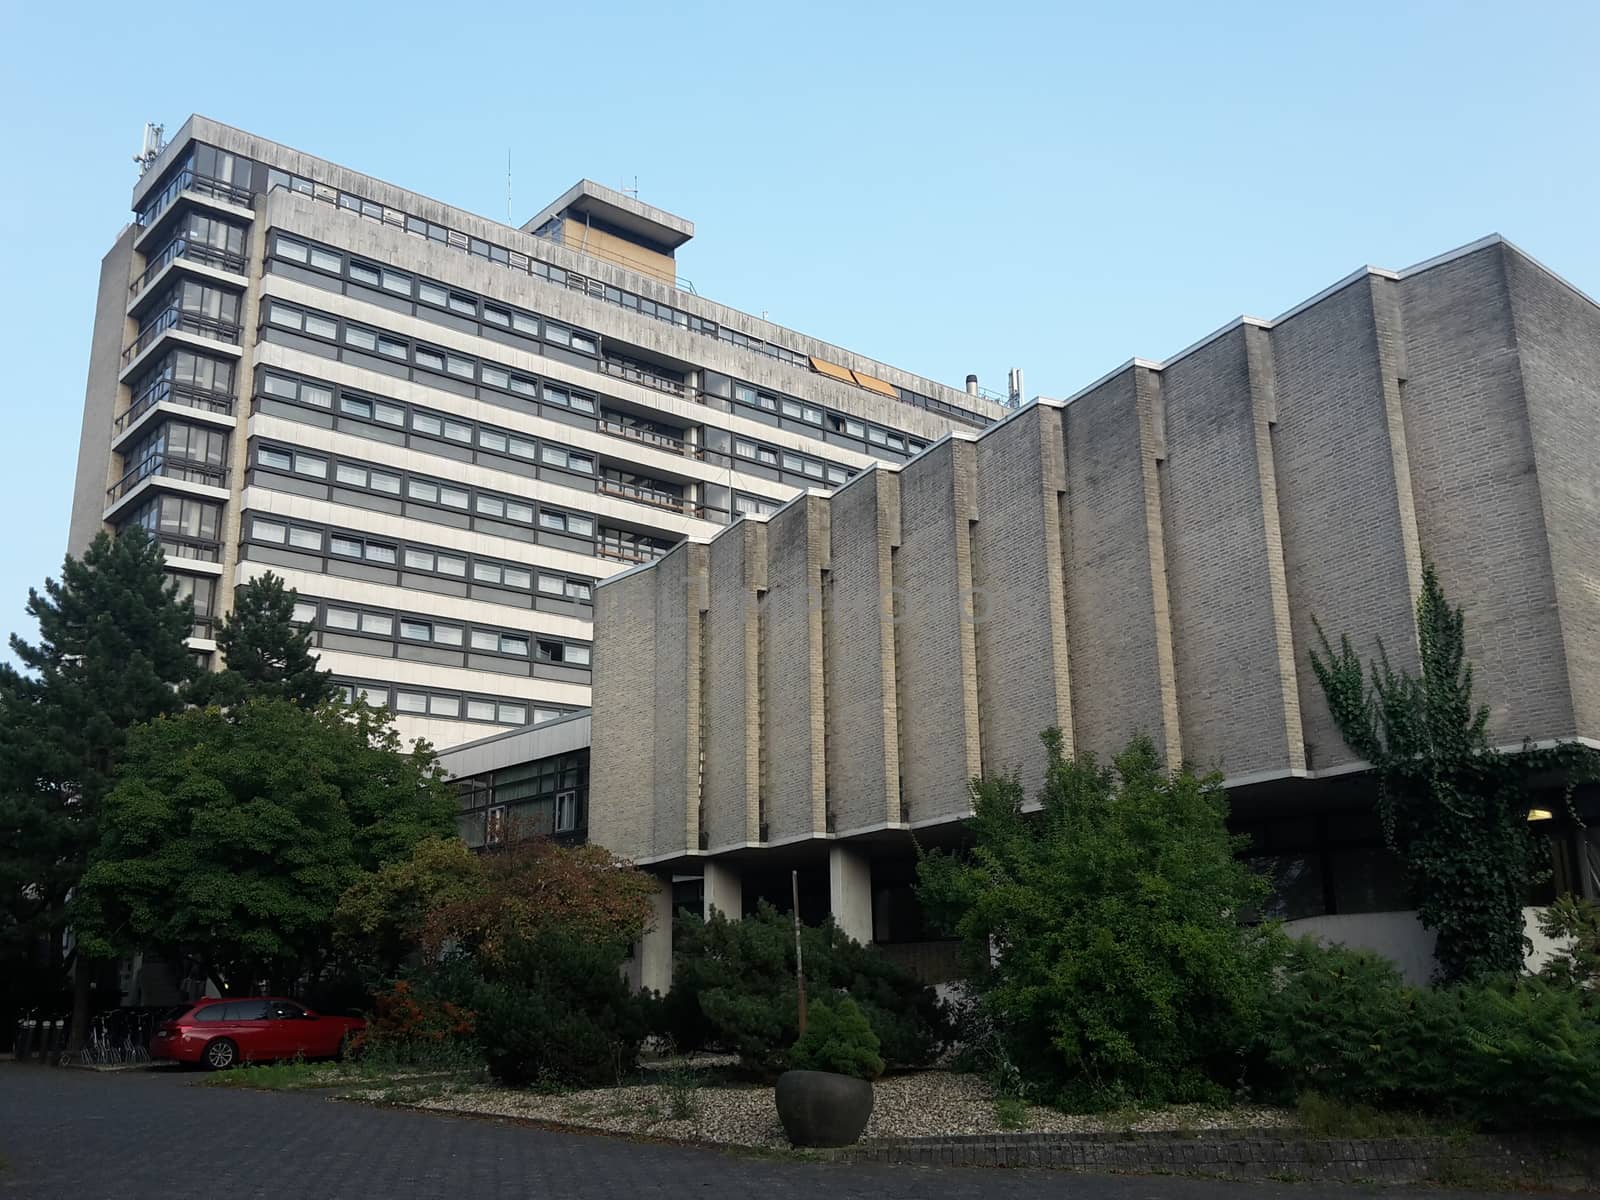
(645, 378)
(648, 437)
(167, 467)
(645, 494)
(182, 249)
(174, 318)
(165, 391)
(204, 550)
(231, 196)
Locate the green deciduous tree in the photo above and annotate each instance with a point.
(233, 835)
(110, 655)
(264, 652)
(1454, 808)
(381, 918)
(1102, 934)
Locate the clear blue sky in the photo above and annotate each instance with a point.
(947, 187)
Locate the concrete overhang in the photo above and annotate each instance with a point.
(651, 225)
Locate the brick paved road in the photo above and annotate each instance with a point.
(79, 1135)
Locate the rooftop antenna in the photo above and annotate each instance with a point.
(1014, 388)
(508, 186)
(631, 191)
(150, 148)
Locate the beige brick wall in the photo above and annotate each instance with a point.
(1019, 586)
(860, 710)
(1558, 344)
(1148, 557)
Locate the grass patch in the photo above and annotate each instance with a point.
(284, 1076)
(1321, 1116)
(377, 1065)
(678, 1091)
(1011, 1113)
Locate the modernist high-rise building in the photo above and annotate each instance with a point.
(443, 430)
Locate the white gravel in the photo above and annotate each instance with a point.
(922, 1104)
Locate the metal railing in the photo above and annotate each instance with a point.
(199, 549)
(644, 494)
(187, 181)
(648, 437)
(182, 469)
(169, 392)
(646, 378)
(188, 322)
(628, 553)
(211, 256)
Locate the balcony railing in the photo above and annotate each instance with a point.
(200, 549)
(645, 494)
(169, 468)
(223, 260)
(646, 378)
(187, 181)
(204, 627)
(188, 322)
(649, 437)
(169, 392)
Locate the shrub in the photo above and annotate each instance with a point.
(1503, 1051)
(733, 986)
(553, 1009)
(1102, 936)
(404, 1015)
(838, 1039)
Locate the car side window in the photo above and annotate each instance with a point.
(282, 1010)
(212, 1012)
(247, 1010)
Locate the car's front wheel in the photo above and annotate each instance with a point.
(220, 1054)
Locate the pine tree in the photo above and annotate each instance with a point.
(1454, 808)
(265, 652)
(110, 655)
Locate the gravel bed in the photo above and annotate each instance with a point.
(923, 1104)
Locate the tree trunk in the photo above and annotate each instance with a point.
(82, 985)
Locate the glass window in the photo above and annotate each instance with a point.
(380, 481)
(278, 460)
(461, 367)
(485, 572)
(282, 314)
(392, 347)
(485, 639)
(277, 385)
(513, 645)
(523, 448)
(347, 546)
(291, 249)
(523, 323)
(355, 476)
(855, 428)
(418, 631)
(524, 386)
(462, 304)
(305, 611)
(480, 710)
(389, 414)
(431, 359)
(268, 531)
(791, 462)
(497, 316)
(837, 474)
(377, 623)
(457, 432)
(355, 406)
(325, 259)
(444, 706)
(306, 539)
(342, 618)
(449, 564)
(411, 702)
(582, 526)
(447, 635)
(365, 273)
(495, 377)
(516, 577)
(791, 409)
(432, 293)
(748, 449)
(394, 281)
(423, 423)
(362, 339)
(419, 489)
(513, 714)
(378, 552)
(490, 440)
(578, 655)
(517, 511)
(420, 560)
(454, 497)
(311, 464)
(313, 393)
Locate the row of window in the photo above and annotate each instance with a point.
(184, 368)
(455, 706)
(427, 422)
(178, 516)
(205, 163)
(340, 618)
(322, 326)
(349, 473)
(425, 291)
(347, 544)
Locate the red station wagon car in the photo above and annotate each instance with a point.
(223, 1033)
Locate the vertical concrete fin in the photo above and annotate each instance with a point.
(1152, 442)
(963, 463)
(1264, 406)
(1053, 470)
(1391, 342)
(886, 509)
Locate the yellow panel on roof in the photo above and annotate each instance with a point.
(832, 370)
(873, 384)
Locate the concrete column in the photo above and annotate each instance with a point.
(651, 966)
(724, 890)
(850, 891)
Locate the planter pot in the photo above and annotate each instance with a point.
(819, 1108)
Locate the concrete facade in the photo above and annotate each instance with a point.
(1148, 556)
(443, 430)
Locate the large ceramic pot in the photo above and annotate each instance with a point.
(819, 1108)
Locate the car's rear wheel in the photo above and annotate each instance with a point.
(220, 1054)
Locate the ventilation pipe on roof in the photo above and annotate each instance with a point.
(972, 385)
